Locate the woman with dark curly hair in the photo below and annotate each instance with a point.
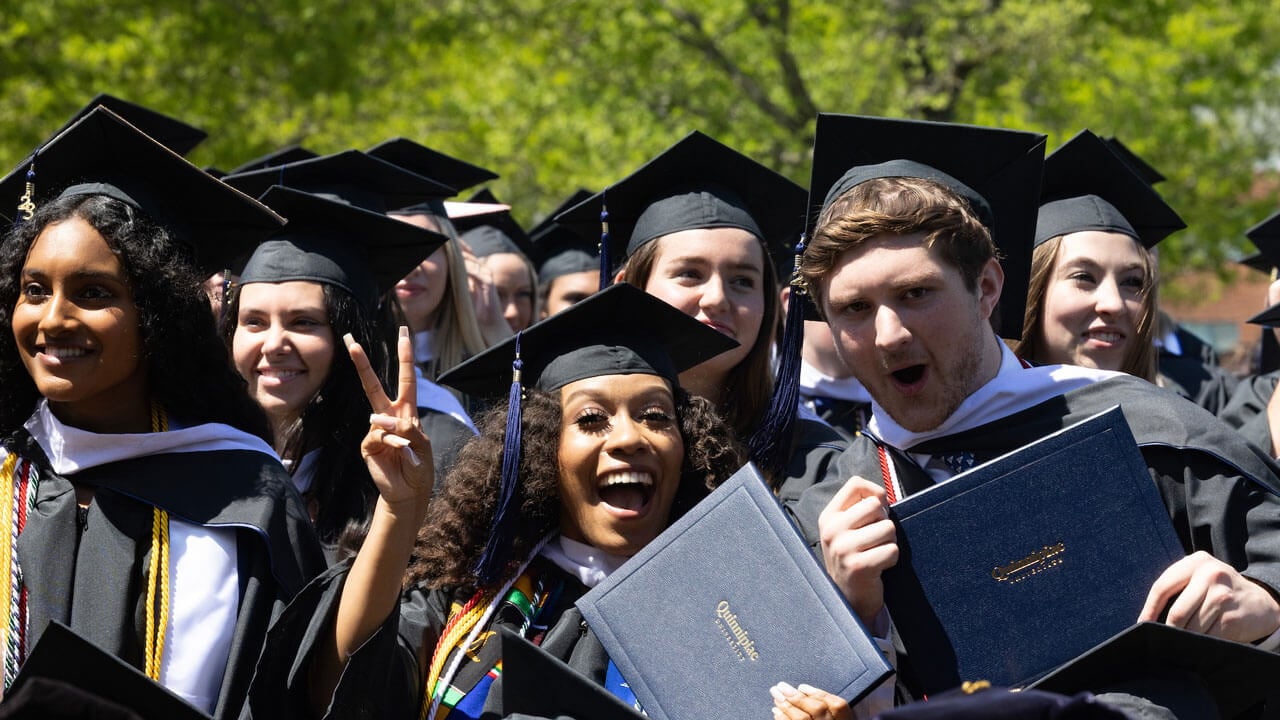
(144, 507)
(559, 489)
(314, 282)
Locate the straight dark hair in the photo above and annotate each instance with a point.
(335, 420)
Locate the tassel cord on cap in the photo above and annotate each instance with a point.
(770, 444)
(493, 560)
(605, 260)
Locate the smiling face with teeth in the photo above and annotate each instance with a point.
(1094, 299)
(620, 456)
(283, 346)
(76, 327)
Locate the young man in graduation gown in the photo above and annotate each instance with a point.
(903, 267)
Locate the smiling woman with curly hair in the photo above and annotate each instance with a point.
(608, 450)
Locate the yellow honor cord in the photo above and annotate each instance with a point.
(455, 632)
(157, 574)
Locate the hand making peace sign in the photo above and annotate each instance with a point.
(396, 451)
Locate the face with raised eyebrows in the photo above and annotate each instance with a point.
(620, 455)
(911, 329)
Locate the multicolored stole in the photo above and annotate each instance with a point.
(465, 664)
(19, 480)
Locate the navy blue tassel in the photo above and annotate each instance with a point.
(493, 561)
(770, 444)
(606, 278)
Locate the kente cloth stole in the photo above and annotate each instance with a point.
(533, 598)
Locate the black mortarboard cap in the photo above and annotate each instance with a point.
(1266, 237)
(326, 241)
(996, 703)
(285, 155)
(1088, 187)
(420, 159)
(168, 131)
(560, 250)
(492, 233)
(590, 339)
(66, 657)
(537, 684)
(1239, 677)
(1144, 169)
(996, 170)
(359, 179)
(696, 183)
(621, 330)
(101, 154)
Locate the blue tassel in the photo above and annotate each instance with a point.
(493, 561)
(605, 276)
(770, 444)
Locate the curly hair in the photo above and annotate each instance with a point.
(188, 371)
(335, 419)
(749, 385)
(458, 519)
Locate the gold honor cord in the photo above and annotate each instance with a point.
(157, 573)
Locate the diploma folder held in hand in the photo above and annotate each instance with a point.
(1009, 570)
(723, 605)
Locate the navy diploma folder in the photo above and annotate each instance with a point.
(724, 604)
(1011, 569)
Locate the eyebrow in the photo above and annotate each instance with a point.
(79, 275)
(747, 265)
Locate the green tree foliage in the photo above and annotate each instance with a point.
(557, 94)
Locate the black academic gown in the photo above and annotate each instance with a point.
(1221, 493)
(1208, 386)
(1247, 409)
(384, 677)
(448, 435)
(91, 574)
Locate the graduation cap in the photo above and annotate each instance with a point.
(996, 170)
(1149, 174)
(995, 703)
(696, 183)
(359, 179)
(589, 339)
(168, 131)
(1088, 187)
(68, 659)
(275, 158)
(537, 684)
(101, 154)
(420, 159)
(493, 232)
(1266, 237)
(1239, 678)
(327, 241)
(559, 250)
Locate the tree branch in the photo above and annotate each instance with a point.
(694, 36)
